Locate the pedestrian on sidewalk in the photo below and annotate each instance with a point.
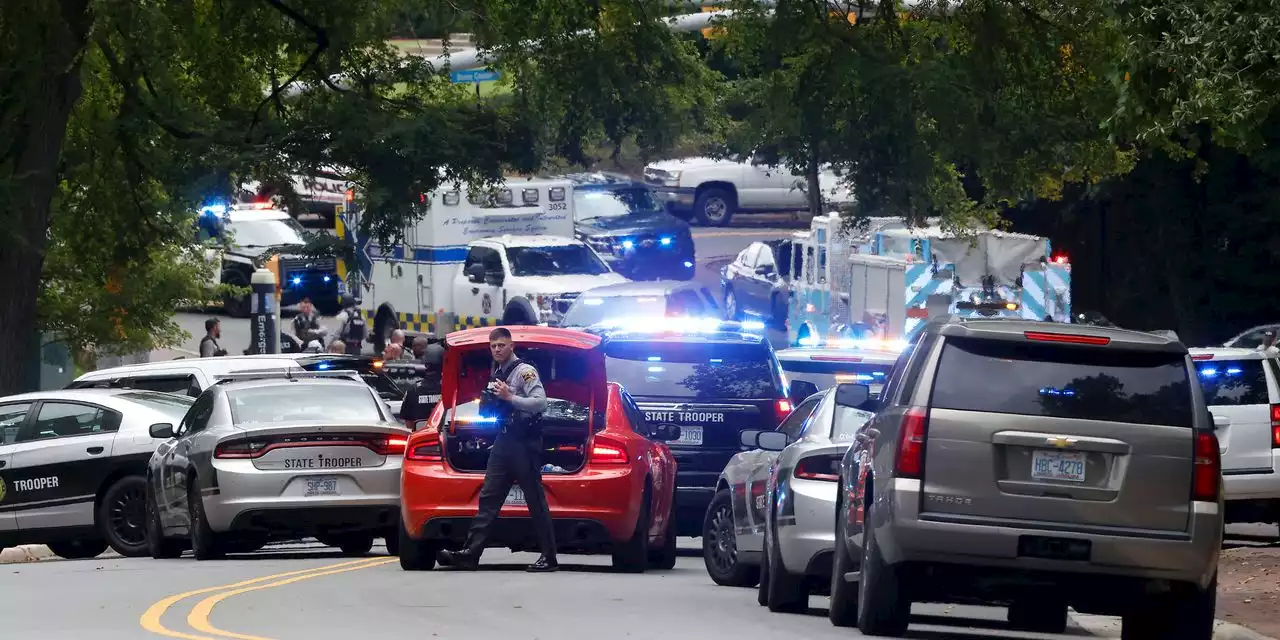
(209, 347)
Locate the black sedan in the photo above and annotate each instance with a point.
(629, 227)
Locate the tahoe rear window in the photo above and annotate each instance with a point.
(1233, 382)
(1065, 382)
(700, 371)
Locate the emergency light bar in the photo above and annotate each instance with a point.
(864, 344)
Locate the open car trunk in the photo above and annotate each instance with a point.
(566, 431)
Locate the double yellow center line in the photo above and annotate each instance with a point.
(198, 619)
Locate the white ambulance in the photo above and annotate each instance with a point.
(505, 256)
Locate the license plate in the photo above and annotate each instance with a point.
(1058, 465)
(327, 486)
(689, 436)
(515, 498)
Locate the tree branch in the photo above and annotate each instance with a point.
(131, 91)
(322, 43)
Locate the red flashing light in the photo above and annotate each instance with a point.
(910, 462)
(1070, 338)
(1060, 259)
(608, 451)
(262, 205)
(1275, 426)
(1202, 356)
(1208, 468)
(782, 409)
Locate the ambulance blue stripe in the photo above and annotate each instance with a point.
(925, 291)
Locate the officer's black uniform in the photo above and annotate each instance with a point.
(516, 458)
(423, 397)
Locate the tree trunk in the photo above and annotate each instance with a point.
(811, 178)
(46, 87)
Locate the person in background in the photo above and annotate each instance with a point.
(397, 337)
(393, 352)
(351, 323)
(420, 349)
(337, 347)
(209, 346)
(421, 400)
(306, 325)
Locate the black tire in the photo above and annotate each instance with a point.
(732, 308)
(762, 589)
(787, 593)
(356, 544)
(1047, 614)
(516, 315)
(664, 557)
(632, 556)
(393, 542)
(78, 549)
(1184, 613)
(160, 547)
(715, 207)
(720, 546)
(205, 544)
(843, 611)
(883, 608)
(122, 517)
(416, 555)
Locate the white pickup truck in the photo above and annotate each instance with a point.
(711, 191)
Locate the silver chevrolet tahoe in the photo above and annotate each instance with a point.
(1036, 466)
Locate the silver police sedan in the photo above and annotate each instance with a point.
(276, 455)
(784, 496)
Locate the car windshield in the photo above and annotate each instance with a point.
(300, 401)
(589, 310)
(1112, 385)
(614, 203)
(266, 233)
(172, 405)
(1233, 382)
(573, 259)
(701, 371)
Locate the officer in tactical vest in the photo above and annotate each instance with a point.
(352, 325)
(423, 397)
(515, 394)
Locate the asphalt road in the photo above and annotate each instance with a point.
(715, 248)
(309, 592)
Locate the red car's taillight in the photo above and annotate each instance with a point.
(390, 446)
(820, 467)
(910, 462)
(426, 450)
(1208, 468)
(606, 450)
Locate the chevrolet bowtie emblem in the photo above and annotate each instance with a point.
(1060, 441)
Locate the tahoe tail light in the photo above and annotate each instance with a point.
(427, 449)
(820, 467)
(1208, 468)
(910, 461)
(257, 447)
(1275, 426)
(606, 450)
(1069, 338)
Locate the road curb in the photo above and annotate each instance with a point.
(1110, 627)
(25, 553)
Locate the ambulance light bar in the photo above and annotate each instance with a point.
(681, 325)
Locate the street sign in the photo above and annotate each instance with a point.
(474, 75)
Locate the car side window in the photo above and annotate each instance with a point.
(635, 416)
(68, 420)
(11, 418)
(180, 384)
(766, 259)
(793, 424)
(197, 417)
(889, 395)
(485, 256)
(918, 360)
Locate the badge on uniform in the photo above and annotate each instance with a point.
(529, 376)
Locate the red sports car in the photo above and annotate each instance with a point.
(608, 476)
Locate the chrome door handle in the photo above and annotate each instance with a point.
(93, 451)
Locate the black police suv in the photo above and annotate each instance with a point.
(713, 385)
(628, 226)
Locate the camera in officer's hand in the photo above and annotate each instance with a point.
(493, 406)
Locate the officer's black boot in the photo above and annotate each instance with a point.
(544, 564)
(463, 560)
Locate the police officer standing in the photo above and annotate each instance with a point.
(516, 457)
(352, 325)
(422, 398)
(209, 346)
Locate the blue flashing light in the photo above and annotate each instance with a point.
(628, 244)
(327, 278)
(752, 325)
(688, 264)
(217, 209)
(666, 241)
(1233, 371)
(809, 341)
(1209, 372)
(477, 419)
(297, 280)
(862, 377)
(1051, 391)
(716, 360)
(323, 365)
(878, 374)
(655, 358)
(656, 369)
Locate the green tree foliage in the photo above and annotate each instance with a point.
(957, 109)
(120, 117)
(1192, 63)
